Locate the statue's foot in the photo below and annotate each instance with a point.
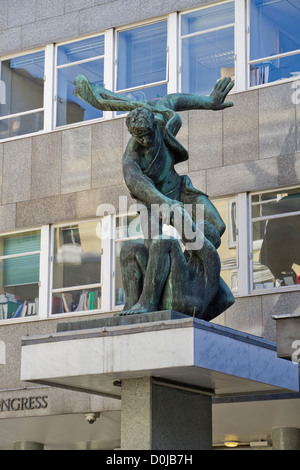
(139, 308)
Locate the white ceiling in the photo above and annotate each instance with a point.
(244, 421)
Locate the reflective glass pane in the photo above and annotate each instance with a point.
(77, 255)
(231, 279)
(80, 50)
(277, 69)
(276, 252)
(274, 203)
(22, 84)
(274, 27)
(71, 109)
(128, 226)
(154, 93)
(205, 59)
(228, 247)
(21, 125)
(76, 301)
(142, 54)
(207, 18)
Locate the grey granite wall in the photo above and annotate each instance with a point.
(25, 24)
(66, 174)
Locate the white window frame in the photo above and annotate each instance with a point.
(173, 63)
(239, 41)
(134, 26)
(106, 267)
(48, 84)
(107, 81)
(42, 283)
(250, 62)
(279, 289)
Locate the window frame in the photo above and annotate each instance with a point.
(56, 68)
(169, 19)
(239, 26)
(275, 289)
(232, 235)
(106, 267)
(47, 92)
(42, 271)
(249, 62)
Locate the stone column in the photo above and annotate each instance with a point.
(286, 438)
(27, 445)
(159, 417)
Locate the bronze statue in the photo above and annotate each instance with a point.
(159, 275)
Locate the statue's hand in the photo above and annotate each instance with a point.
(219, 93)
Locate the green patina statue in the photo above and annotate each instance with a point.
(161, 274)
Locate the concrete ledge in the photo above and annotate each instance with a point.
(288, 336)
(119, 319)
(189, 351)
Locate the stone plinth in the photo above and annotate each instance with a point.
(182, 350)
(164, 366)
(288, 336)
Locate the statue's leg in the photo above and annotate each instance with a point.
(165, 256)
(222, 301)
(133, 259)
(150, 223)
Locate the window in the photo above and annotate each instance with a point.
(80, 57)
(207, 47)
(19, 274)
(275, 239)
(77, 268)
(142, 61)
(22, 95)
(275, 40)
(228, 249)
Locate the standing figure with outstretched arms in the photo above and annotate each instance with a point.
(150, 175)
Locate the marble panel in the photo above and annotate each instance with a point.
(16, 171)
(240, 126)
(246, 176)
(7, 217)
(76, 159)
(20, 13)
(107, 153)
(46, 161)
(277, 121)
(51, 30)
(46, 211)
(289, 169)
(205, 140)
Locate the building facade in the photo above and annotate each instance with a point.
(65, 211)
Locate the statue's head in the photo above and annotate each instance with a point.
(141, 125)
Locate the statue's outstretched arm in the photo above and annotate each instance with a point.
(101, 98)
(215, 101)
